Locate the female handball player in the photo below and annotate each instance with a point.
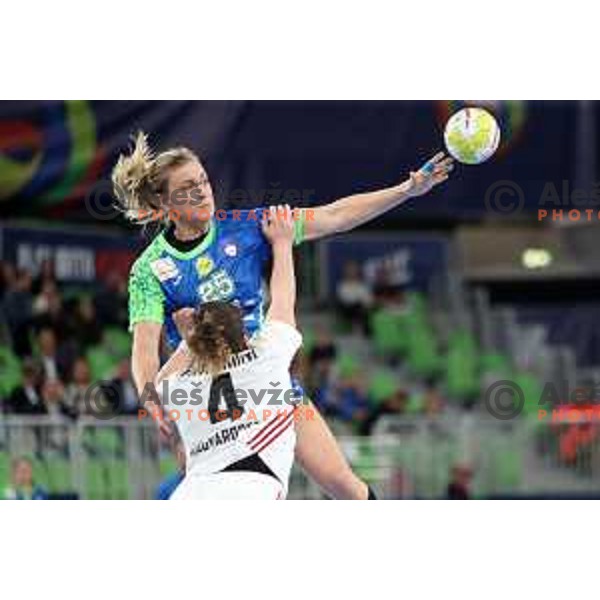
(203, 255)
(246, 450)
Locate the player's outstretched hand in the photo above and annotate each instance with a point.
(278, 226)
(434, 171)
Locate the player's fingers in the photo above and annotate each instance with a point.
(288, 215)
(268, 219)
(446, 168)
(437, 158)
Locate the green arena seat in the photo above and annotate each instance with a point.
(347, 365)
(4, 472)
(422, 354)
(495, 363)
(59, 475)
(117, 342)
(118, 479)
(102, 363)
(382, 385)
(365, 463)
(108, 441)
(96, 484)
(509, 469)
(532, 392)
(462, 368)
(308, 339)
(388, 332)
(10, 371)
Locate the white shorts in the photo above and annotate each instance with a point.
(231, 485)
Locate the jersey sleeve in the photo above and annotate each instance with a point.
(280, 339)
(146, 297)
(299, 228)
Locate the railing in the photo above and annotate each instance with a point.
(90, 458)
(404, 458)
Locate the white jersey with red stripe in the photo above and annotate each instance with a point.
(248, 409)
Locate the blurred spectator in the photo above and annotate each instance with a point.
(354, 296)
(121, 391)
(86, 324)
(81, 398)
(111, 301)
(345, 400)
(22, 485)
(460, 482)
(321, 359)
(54, 316)
(54, 364)
(27, 399)
(8, 277)
(169, 485)
(433, 403)
(45, 277)
(18, 311)
(45, 298)
(53, 395)
(395, 404)
(383, 289)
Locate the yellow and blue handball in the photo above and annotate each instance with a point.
(472, 135)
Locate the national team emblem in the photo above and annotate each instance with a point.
(204, 265)
(230, 250)
(164, 268)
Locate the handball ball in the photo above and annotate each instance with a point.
(472, 135)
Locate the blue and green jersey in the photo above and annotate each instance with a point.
(227, 265)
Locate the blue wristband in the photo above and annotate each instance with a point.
(428, 168)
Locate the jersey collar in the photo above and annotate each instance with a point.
(209, 238)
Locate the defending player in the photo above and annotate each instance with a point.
(200, 257)
(237, 447)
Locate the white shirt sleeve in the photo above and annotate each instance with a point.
(280, 339)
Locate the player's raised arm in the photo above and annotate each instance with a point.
(279, 230)
(352, 211)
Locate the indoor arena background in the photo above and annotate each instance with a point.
(453, 344)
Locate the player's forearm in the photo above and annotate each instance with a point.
(321, 458)
(177, 362)
(145, 360)
(144, 370)
(352, 211)
(283, 283)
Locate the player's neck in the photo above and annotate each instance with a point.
(186, 232)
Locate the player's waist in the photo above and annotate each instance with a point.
(230, 448)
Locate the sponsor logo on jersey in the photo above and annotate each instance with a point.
(230, 250)
(164, 268)
(205, 265)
